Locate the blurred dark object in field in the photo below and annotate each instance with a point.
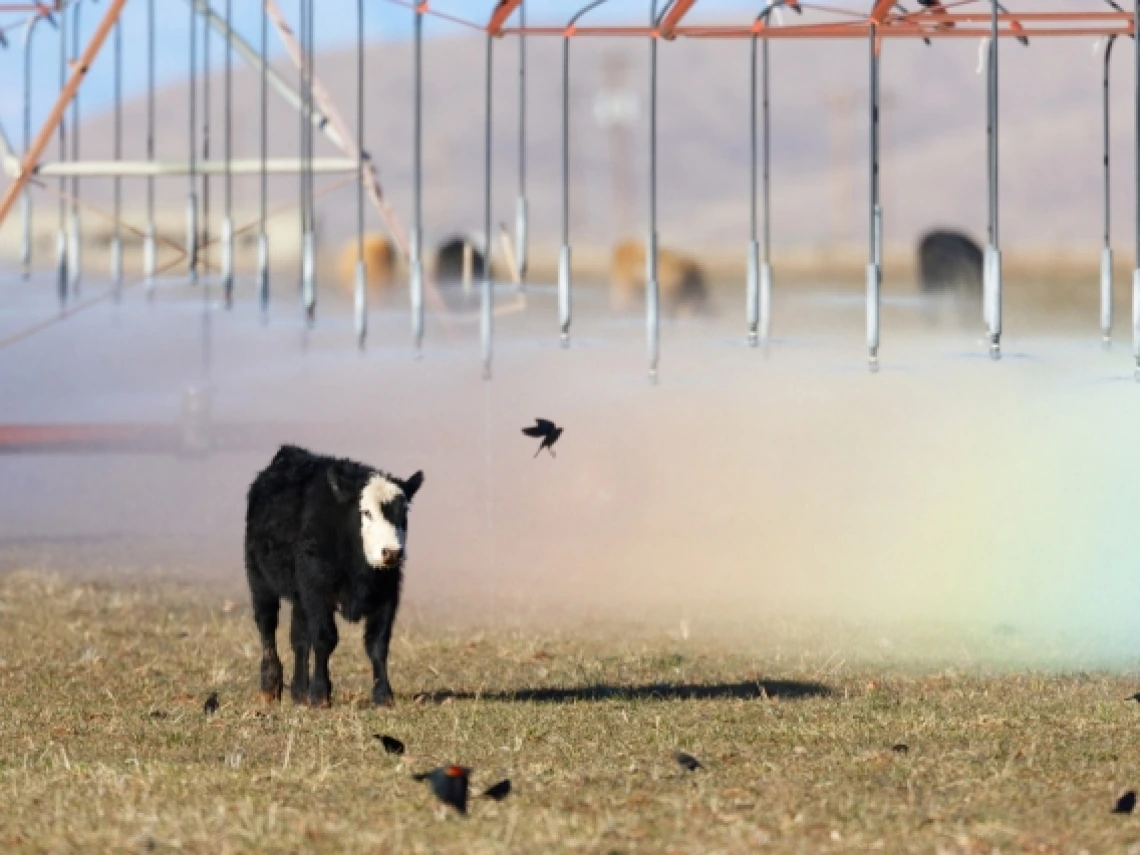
(391, 744)
(1125, 803)
(498, 791)
(688, 761)
(950, 265)
(449, 783)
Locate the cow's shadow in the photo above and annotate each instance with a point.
(747, 690)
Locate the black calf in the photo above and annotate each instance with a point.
(325, 534)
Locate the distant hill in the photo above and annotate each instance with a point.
(933, 139)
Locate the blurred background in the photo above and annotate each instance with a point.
(749, 487)
(933, 138)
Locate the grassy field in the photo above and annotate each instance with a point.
(104, 745)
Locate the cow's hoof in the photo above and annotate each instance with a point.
(299, 695)
(384, 701)
(320, 697)
(272, 678)
(270, 697)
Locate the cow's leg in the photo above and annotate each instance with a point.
(377, 636)
(299, 638)
(323, 639)
(266, 606)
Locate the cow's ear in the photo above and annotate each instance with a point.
(413, 484)
(341, 490)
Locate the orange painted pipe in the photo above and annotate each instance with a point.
(44, 137)
(673, 18)
(499, 17)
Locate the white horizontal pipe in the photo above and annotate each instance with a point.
(143, 168)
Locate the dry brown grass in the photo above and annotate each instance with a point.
(104, 746)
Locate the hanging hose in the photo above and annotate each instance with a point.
(875, 259)
(63, 279)
(752, 298)
(360, 292)
(192, 197)
(149, 247)
(992, 276)
(26, 247)
(228, 222)
(262, 238)
(521, 237)
(117, 238)
(75, 240)
(1106, 283)
(416, 261)
(652, 314)
(308, 140)
(205, 227)
(302, 140)
(488, 295)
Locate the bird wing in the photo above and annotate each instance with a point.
(534, 431)
(546, 425)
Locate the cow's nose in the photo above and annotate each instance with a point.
(390, 556)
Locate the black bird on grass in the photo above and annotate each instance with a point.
(1135, 697)
(449, 783)
(688, 761)
(498, 791)
(1125, 803)
(390, 743)
(548, 430)
(900, 748)
(211, 705)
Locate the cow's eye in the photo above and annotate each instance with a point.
(366, 514)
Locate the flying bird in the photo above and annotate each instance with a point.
(688, 761)
(498, 791)
(390, 743)
(549, 432)
(1125, 803)
(449, 783)
(211, 705)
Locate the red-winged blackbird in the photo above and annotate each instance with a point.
(688, 761)
(211, 705)
(1125, 803)
(391, 744)
(548, 431)
(449, 783)
(498, 791)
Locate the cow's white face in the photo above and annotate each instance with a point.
(383, 522)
